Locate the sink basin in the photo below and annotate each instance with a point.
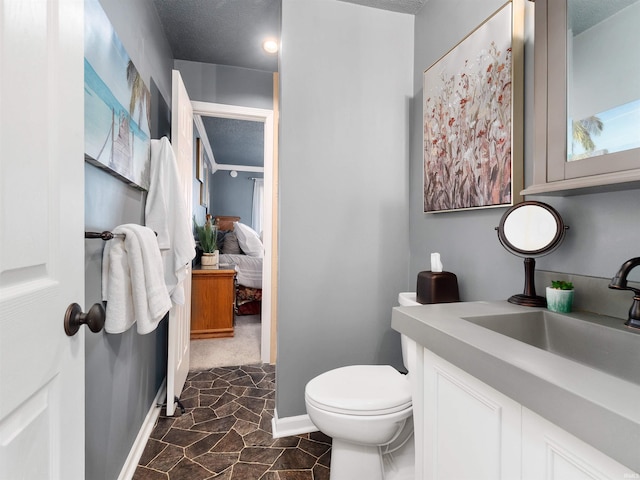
(586, 338)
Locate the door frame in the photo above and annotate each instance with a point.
(266, 117)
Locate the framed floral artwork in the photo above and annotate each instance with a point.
(472, 118)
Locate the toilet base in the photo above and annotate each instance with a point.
(350, 461)
(400, 463)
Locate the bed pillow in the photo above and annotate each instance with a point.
(249, 240)
(230, 244)
(220, 239)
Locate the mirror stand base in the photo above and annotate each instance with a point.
(528, 300)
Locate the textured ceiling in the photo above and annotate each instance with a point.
(236, 142)
(223, 32)
(584, 14)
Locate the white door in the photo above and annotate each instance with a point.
(180, 315)
(41, 238)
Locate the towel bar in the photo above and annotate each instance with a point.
(106, 235)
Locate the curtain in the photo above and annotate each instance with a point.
(256, 212)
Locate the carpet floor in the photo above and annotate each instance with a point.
(241, 349)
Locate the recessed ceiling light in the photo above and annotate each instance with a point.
(270, 46)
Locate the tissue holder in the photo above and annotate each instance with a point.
(437, 287)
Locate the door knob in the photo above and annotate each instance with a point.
(74, 318)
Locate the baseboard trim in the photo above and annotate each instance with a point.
(131, 463)
(288, 426)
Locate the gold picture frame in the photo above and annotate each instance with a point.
(473, 118)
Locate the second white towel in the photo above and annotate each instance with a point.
(166, 213)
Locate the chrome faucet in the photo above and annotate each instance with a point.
(619, 282)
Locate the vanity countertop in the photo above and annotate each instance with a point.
(597, 407)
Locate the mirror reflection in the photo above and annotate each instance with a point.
(603, 81)
(530, 228)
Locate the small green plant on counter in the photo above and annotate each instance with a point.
(207, 235)
(561, 285)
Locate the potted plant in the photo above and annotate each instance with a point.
(207, 235)
(560, 296)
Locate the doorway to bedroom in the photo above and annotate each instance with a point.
(236, 147)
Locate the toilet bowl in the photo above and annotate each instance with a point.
(368, 412)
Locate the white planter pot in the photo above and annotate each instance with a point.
(559, 300)
(210, 259)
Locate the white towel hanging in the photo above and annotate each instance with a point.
(133, 281)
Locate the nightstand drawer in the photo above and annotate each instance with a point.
(212, 303)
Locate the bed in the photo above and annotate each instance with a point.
(239, 245)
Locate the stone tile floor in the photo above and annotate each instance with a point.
(225, 433)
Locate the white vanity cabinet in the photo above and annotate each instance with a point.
(471, 431)
(549, 452)
(466, 429)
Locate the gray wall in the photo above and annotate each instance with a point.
(345, 73)
(206, 82)
(604, 226)
(233, 196)
(123, 372)
(230, 86)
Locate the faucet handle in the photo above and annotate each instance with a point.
(619, 282)
(617, 285)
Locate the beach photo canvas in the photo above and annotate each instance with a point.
(117, 103)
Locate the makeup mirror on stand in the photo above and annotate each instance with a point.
(530, 230)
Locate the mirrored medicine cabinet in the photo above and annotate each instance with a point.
(587, 96)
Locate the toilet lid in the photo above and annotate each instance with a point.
(360, 390)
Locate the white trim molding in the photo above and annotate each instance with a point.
(131, 463)
(288, 426)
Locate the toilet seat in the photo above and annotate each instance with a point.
(360, 390)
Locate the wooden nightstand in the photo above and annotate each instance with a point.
(212, 303)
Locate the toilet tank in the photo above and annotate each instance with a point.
(406, 299)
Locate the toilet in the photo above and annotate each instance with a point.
(367, 411)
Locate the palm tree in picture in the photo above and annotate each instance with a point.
(139, 93)
(584, 130)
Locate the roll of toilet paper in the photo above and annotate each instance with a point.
(436, 263)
